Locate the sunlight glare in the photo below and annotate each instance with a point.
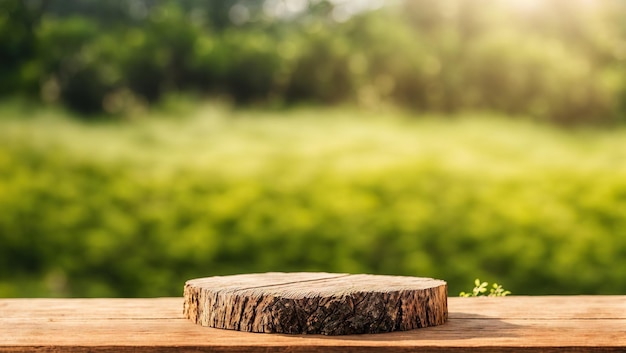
(526, 6)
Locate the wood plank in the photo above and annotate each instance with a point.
(513, 324)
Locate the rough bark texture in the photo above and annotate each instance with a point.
(314, 303)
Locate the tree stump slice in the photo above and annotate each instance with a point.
(316, 303)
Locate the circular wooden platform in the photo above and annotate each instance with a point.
(314, 303)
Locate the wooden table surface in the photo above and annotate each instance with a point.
(509, 324)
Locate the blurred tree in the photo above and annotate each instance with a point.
(560, 61)
(18, 22)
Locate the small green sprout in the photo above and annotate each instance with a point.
(480, 290)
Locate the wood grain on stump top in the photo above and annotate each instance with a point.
(312, 303)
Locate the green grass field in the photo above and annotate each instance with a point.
(134, 208)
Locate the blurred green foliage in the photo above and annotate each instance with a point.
(562, 60)
(136, 208)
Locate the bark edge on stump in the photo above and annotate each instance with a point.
(316, 303)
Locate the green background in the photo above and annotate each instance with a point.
(147, 142)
